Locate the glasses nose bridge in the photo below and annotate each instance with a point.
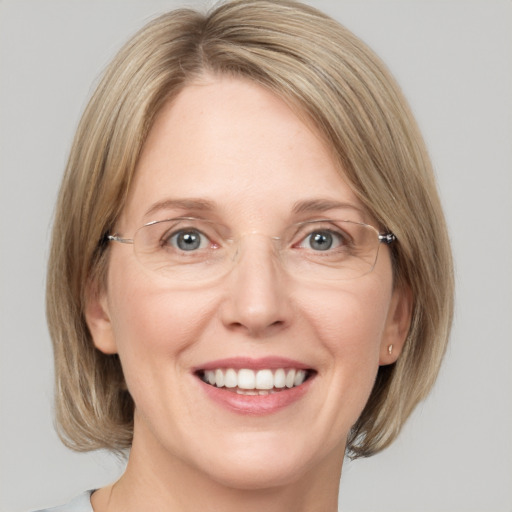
(258, 244)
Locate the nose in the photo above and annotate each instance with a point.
(257, 299)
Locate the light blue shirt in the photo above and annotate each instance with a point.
(81, 503)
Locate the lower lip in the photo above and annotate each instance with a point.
(256, 405)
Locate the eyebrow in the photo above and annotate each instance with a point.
(181, 204)
(304, 206)
(324, 205)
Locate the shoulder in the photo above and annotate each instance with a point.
(81, 503)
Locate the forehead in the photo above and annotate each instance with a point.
(238, 147)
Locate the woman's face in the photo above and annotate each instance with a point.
(229, 151)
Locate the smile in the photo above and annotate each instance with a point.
(255, 382)
(255, 386)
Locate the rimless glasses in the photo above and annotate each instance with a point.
(189, 249)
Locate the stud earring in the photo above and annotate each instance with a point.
(390, 349)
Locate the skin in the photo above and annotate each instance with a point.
(233, 143)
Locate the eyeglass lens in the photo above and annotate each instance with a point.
(189, 249)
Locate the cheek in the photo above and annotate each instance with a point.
(151, 324)
(349, 321)
(349, 326)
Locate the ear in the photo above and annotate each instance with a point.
(397, 325)
(97, 316)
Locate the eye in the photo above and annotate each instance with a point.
(322, 240)
(187, 240)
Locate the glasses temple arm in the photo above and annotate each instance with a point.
(115, 238)
(387, 238)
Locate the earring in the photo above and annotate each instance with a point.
(390, 349)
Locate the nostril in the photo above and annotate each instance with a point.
(256, 329)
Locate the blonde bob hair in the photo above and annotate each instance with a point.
(328, 76)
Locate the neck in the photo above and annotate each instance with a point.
(156, 481)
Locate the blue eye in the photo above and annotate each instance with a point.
(188, 240)
(322, 240)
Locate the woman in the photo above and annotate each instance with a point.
(250, 274)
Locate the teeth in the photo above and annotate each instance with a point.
(264, 379)
(246, 379)
(290, 379)
(230, 378)
(250, 382)
(219, 378)
(280, 378)
(300, 375)
(251, 392)
(210, 378)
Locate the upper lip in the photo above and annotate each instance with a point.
(238, 363)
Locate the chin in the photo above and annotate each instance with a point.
(252, 474)
(265, 460)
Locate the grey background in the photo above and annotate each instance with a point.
(454, 62)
